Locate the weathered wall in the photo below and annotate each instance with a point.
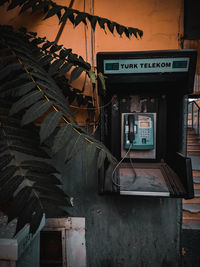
(161, 21)
(121, 231)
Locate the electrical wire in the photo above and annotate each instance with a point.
(118, 164)
(98, 108)
(135, 175)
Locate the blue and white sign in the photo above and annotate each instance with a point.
(149, 65)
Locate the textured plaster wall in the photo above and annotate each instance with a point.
(120, 231)
(161, 21)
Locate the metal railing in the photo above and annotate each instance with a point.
(194, 116)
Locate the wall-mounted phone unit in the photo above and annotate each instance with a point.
(145, 126)
(138, 135)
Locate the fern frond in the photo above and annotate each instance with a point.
(49, 124)
(26, 184)
(34, 73)
(44, 95)
(50, 8)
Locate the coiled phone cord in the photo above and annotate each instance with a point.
(118, 164)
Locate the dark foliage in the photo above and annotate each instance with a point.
(31, 82)
(33, 78)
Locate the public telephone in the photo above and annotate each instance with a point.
(144, 125)
(138, 131)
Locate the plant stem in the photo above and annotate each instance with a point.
(62, 25)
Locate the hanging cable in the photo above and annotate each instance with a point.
(113, 173)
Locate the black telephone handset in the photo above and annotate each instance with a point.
(131, 122)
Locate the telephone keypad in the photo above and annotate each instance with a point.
(145, 133)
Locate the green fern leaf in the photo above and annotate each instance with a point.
(45, 60)
(47, 45)
(9, 69)
(127, 33)
(18, 203)
(55, 66)
(65, 68)
(4, 160)
(38, 41)
(93, 21)
(67, 14)
(54, 10)
(64, 52)
(20, 53)
(5, 61)
(15, 131)
(13, 82)
(135, 32)
(102, 80)
(8, 189)
(29, 150)
(49, 124)
(15, 3)
(36, 111)
(42, 77)
(60, 102)
(7, 172)
(26, 101)
(81, 17)
(102, 22)
(20, 139)
(90, 154)
(54, 48)
(101, 158)
(26, 216)
(111, 26)
(76, 73)
(57, 98)
(4, 51)
(77, 147)
(38, 166)
(120, 29)
(110, 158)
(24, 88)
(72, 147)
(26, 6)
(39, 6)
(92, 77)
(46, 85)
(3, 148)
(42, 178)
(61, 138)
(33, 65)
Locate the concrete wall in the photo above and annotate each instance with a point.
(120, 231)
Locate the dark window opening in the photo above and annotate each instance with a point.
(51, 249)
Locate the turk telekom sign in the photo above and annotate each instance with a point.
(149, 65)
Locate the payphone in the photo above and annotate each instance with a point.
(138, 130)
(145, 124)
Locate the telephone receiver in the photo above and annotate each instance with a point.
(131, 122)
